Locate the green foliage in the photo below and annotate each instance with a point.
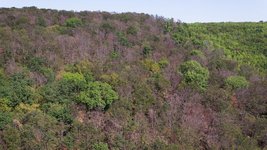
(151, 65)
(181, 34)
(21, 22)
(60, 111)
(4, 104)
(52, 68)
(147, 49)
(100, 146)
(41, 21)
(241, 42)
(131, 30)
(114, 54)
(73, 22)
(107, 27)
(125, 17)
(197, 53)
(83, 67)
(48, 73)
(73, 78)
(123, 39)
(163, 63)
(194, 74)
(52, 93)
(168, 26)
(19, 90)
(35, 63)
(65, 89)
(97, 95)
(236, 82)
(60, 29)
(72, 82)
(5, 118)
(112, 78)
(23, 108)
(14, 90)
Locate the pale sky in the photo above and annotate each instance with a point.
(184, 10)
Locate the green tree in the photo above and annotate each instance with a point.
(72, 83)
(97, 95)
(163, 63)
(100, 146)
(35, 63)
(107, 27)
(41, 21)
(147, 49)
(51, 93)
(236, 82)
(73, 22)
(132, 30)
(5, 118)
(83, 67)
(194, 74)
(19, 90)
(60, 111)
(4, 104)
(123, 39)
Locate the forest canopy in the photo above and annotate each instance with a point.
(96, 80)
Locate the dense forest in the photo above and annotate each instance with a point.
(98, 80)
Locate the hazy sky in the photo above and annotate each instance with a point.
(185, 10)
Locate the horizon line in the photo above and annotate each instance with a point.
(114, 12)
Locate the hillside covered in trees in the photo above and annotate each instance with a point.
(96, 80)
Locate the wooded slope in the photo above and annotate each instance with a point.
(95, 80)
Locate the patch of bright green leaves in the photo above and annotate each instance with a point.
(73, 22)
(74, 86)
(100, 146)
(97, 95)
(94, 94)
(72, 82)
(18, 90)
(236, 82)
(194, 74)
